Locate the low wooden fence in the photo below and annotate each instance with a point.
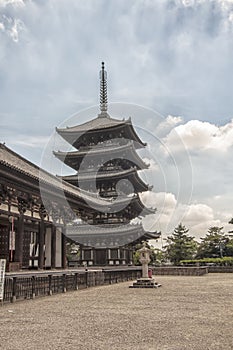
(29, 286)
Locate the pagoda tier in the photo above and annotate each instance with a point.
(111, 178)
(102, 128)
(124, 157)
(108, 235)
(121, 210)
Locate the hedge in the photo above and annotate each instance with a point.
(225, 261)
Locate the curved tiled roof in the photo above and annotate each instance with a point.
(106, 174)
(97, 123)
(14, 161)
(114, 175)
(75, 135)
(95, 150)
(111, 151)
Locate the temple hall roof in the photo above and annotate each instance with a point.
(14, 161)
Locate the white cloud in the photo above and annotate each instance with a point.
(198, 218)
(161, 200)
(197, 135)
(12, 27)
(19, 3)
(199, 212)
(166, 125)
(15, 30)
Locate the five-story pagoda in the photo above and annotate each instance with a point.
(107, 164)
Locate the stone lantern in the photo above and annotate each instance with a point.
(144, 260)
(145, 281)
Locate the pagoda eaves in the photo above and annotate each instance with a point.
(98, 129)
(109, 235)
(126, 153)
(129, 174)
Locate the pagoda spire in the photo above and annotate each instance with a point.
(103, 93)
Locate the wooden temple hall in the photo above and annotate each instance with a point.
(102, 192)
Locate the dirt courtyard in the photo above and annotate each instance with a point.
(194, 313)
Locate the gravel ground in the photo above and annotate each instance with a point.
(194, 313)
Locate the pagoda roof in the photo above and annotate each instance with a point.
(122, 203)
(101, 124)
(130, 173)
(74, 158)
(140, 207)
(147, 236)
(108, 235)
(98, 123)
(126, 203)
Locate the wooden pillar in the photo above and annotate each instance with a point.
(41, 244)
(43, 214)
(19, 239)
(63, 247)
(53, 247)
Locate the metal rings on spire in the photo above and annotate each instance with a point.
(103, 91)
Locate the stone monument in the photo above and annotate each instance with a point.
(145, 281)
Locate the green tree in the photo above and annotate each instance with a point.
(136, 257)
(214, 244)
(160, 257)
(72, 251)
(180, 246)
(229, 245)
(229, 248)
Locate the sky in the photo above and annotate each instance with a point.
(169, 65)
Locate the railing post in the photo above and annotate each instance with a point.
(64, 282)
(50, 285)
(33, 287)
(86, 273)
(76, 281)
(13, 299)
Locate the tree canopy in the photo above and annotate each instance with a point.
(180, 246)
(214, 244)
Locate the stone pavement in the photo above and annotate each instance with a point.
(194, 313)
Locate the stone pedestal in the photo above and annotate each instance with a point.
(145, 283)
